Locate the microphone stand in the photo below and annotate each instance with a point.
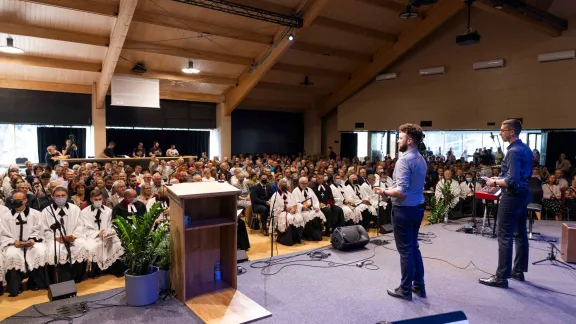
(272, 225)
(54, 227)
(473, 204)
(171, 174)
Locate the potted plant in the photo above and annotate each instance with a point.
(140, 244)
(441, 207)
(163, 260)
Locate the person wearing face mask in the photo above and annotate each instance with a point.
(359, 201)
(260, 195)
(467, 190)
(129, 206)
(334, 214)
(73, 266)
(103, 245)
(338, 192)
(287, 218)
(21, 241)
(309, 208)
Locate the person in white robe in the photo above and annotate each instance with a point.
(287, 218)
(384, 183)
(160, 197)
(367, 193)
(309, 207)
(21, 246)
(70, 266)
(455, 203)
(3, 209)
(360, 201)
(338, 191)
(467, 190)
(103, 245)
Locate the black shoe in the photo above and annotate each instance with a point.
(494, 282)
(399, 294)
(518, 276)
(419, 291)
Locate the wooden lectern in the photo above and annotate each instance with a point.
(203, 227)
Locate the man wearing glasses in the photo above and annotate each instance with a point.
(514, 174)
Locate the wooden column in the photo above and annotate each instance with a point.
(98, 124)
(224, 131)
(312, 132)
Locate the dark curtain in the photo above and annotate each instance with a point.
(272, 132)
(557, 144)
(58, 136)
(348, 145)
(187, 142)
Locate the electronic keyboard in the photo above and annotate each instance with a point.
(489, 193)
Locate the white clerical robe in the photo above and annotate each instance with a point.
(338, 194)
(466, 188)
(283, 204)
(367, 193)
(73, 225)
(308, 195)
(106, 250)
(454, 188)
(352, 194)
(21, 226)
(163, 204)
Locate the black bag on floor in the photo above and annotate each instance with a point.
(255, 223)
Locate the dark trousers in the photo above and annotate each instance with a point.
(511, 222)
(334, 217)
(67, 272)
(263, 211)
(406, 223)
(36, 278)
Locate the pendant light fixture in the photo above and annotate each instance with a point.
(9, 48)
(190, 69)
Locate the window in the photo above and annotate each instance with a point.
(362, 145)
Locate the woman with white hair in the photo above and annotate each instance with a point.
(287, 219)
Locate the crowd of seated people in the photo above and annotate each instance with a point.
(308, 197)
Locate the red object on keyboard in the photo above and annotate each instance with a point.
(489, 193)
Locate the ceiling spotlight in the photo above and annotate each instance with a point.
(408, 14)
(190, 69)
(291, 37)
(9, 48)
(306, 82)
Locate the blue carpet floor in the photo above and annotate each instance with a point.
(349, 294)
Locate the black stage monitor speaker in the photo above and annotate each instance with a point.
(349, 237)
(62, 290)
(386, 228)
(446, 318)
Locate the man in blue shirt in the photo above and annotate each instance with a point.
(407, 193)
(514, 175)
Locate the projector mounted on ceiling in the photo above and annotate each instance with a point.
(470, 37)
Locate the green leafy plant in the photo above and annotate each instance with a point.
(163, 250)
(140, 241)
(442, 206)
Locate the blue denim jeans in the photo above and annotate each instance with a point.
(406, 224)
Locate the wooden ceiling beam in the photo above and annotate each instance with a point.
(80, 38)
(87, 89)
(355, 29)
(117, 38)
(331, 51)
(265, 5)
(292, 88)
(30, 60)
(167, 75)
(189, 96)
(251, 77)
(517, 16)
(186, 53)
(45, 86)
(438, 15)
(54, 34)
(160, 19)
(393, 6)
(310, 71)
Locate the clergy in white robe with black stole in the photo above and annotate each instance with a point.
(361, 203)
(376, 201)
(71, 266)
(21, 246)
(334, 214)
(103, 245)
(338, 192)
(467, 190)
(287, 219)
(2, 270)
(309, 207)
(454, 187)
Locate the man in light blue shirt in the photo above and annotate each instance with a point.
(407, 193)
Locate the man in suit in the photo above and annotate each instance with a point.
(334, 214)
(260, 197)
(129, 206)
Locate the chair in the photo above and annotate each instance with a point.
(532, 209)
